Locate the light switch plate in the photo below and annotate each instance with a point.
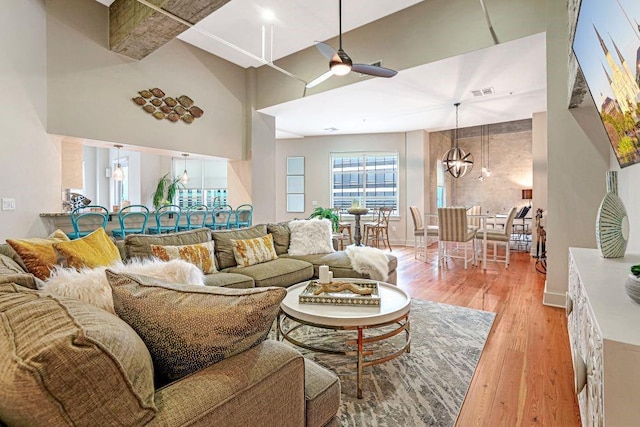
(8, 204)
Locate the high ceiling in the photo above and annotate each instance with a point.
(418, 98)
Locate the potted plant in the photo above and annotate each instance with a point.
(327, 213)
(165, 191)
(632, 284)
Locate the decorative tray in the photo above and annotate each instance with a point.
(343, 297)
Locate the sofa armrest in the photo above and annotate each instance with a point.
(261, 386)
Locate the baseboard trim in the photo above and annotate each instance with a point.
(553, 299)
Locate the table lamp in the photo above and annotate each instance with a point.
(527, 195)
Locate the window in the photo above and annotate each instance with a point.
(371, 177)
(440, 193)
(207, 182)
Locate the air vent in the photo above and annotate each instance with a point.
(331, 129)
(483, 92)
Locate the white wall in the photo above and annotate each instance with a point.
(91, 88)
(30, 165)
(317, 152)
(540, 184)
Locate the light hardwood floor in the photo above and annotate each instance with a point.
(525, 375)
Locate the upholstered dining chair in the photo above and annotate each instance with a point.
(454, 228)
(474, 220)
(87, 219)
(419, 232)
(132, 219)
(171, 215)
(196, 217)
(500, 237)
(221, 217)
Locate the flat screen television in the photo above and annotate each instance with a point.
(607, 46)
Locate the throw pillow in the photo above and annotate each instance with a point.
(281, 233)
(187, 328)
(254, 251)
(65, 362)
(91, 286)
(224, 246)
(309, 237)
(93, 250)
(38, 254)
(200, 254)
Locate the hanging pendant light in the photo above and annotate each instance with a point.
(118, 173)
(185, 176)
(456, 161)
(486, 169)
(482, 169)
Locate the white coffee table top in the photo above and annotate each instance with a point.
(394, 303)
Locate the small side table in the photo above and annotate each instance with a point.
(357, 213)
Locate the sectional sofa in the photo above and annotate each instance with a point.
(268, 384)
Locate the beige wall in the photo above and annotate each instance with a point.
(576, 164)
(540, 170)
(426, 32)
(30, 161)
(90, 87)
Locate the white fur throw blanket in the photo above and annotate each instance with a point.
(91, 285)
(371, 261)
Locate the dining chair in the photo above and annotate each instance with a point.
(454, 228)
(221, 217)
(132, 219)
(244, 215)
(500, 237)
(474, 220)
(171, 215)
(419, 231)
(343, 226)
(196, 217)
(378, 231)
(87, 219)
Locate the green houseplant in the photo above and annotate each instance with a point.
(327, 213)
(165, 191)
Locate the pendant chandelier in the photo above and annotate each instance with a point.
(185, 176)
(484, 167)
(118, 173)
(456, 161)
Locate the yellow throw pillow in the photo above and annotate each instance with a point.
(38, 254)
(200, 254)
(254, 251)
(91, 251)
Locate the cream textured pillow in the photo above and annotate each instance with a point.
(93, 250)
(187, 328)
(310, 236)
(200, 254)
(254, 251)
(90, 285)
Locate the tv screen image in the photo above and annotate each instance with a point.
(607, 46)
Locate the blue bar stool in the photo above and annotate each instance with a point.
(196, 217)
(85, 218)
(136, 215)
(172, 214)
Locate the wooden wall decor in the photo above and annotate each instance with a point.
(154, 102)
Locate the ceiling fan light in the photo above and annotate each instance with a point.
(340, 69)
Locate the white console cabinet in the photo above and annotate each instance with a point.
(604, 334)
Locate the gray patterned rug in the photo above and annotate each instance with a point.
(423, 388)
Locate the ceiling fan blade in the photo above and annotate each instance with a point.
(319, 79)
(327, 51)
(373, 70)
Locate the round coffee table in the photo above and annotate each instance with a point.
(394, 309)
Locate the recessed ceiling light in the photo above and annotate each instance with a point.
(268, 15)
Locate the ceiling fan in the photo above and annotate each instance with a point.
(340, 63)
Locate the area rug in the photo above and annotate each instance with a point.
(425, 387)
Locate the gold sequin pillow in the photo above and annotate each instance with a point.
(200, 254)
(93, 250)
(186, 327)
(254, 251)
(38, 254)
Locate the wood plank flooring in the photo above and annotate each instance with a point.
(524, 376)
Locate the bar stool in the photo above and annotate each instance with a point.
(85, 218)
(196, 217)
(172, 213)
(132, 214)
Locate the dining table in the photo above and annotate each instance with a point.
(483, 218)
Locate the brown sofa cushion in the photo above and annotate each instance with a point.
(187, 328)
(224, 245)
(281, 235)
(229, 280)
(321, 394)
(10, 271)
(340, 264)
(37, 255)
(65, 362)
(139, 245)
